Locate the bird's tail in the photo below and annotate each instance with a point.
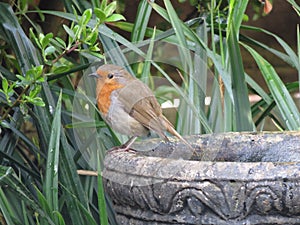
(172, 131)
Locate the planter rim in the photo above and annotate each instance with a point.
(137, 165)
(157, 187)
(125, 163)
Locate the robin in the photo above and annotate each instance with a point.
(128, 106)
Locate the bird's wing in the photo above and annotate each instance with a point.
(148, 113)
(139, 101)
(134, 91)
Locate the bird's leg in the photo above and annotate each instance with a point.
(124, 147)
(128, 143)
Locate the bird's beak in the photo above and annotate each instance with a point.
(93, 75)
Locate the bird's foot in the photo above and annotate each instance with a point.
(122, 148)
(125, 147)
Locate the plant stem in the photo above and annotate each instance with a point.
(67, 52)
(14, 104)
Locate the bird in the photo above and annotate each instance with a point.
(129, 106)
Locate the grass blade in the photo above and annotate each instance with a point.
(295, 6)
(147, 63)
(197, 112)
(190, 124)
(298, 46)
(12, 32)
(6, 209)
(9, 179)
(279, 92)
(239, 87)
(51, 182)
(290, 57)
(236, 14)
(101, 196)
(200, 76)
(141, 21)
(191, 35)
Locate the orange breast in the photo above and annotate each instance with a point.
(104, 98)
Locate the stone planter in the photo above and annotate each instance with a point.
(236, 178)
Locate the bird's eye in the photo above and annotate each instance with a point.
(110, 76)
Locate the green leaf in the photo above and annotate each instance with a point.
(92, 38)
(51, 178)
(33, 93)
(195, 38)
(108, 35)
(147, 64)
(141, 21)
(76, 200)
(103, 5)
(236, 14)
(295, 6)
(198, 85)
(239, 87)
(11, 31)
(6, 209)
(283, 99)
(23, 137)
(110, 8)
(101, 196)
(100, 14)
(9, 179)
(37, 101)
(49, 50)
(45, 39)
(38, 71)
(115, 17)
(183, 95)
(34, 37)
(179, 31)
(60, 218)
(43, 201)
(58, 42)
(290, 57)
(90, 124)
(86, 16)
(69, 31)
(96, 3)
(5, 85)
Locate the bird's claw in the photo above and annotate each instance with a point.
(122, 148)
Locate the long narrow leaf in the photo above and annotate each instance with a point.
(200, 76)
(101, 196)
(298, 47)
(279, 92)
(295, 6)
(51, 182)
(141, 21)
(236, 14)
(147, 64)
(290, 57)
(200, 114)
(191, 35)
(6, 209)
(12, 32)
(9, 179)
(75, 196)
(239, 87)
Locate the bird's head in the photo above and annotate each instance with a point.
(111, 74)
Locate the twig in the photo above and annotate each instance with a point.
(15, 103)
(87, 173)
(67, 52)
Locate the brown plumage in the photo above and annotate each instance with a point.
(128, 105)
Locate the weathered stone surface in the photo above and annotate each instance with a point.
(235, 178)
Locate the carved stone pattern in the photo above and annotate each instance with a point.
(207, 202)
(236, 179)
